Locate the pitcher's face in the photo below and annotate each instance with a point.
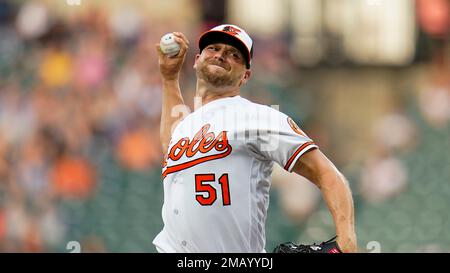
(221, 65)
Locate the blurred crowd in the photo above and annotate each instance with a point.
(76, 90)
(65, 87)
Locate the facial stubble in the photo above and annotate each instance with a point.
(217, 79)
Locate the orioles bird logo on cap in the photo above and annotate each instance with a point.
(231, 30)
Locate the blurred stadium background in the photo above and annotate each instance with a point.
(80, 101)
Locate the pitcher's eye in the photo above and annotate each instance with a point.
(212, 47)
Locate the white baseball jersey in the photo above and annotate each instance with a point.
(217, 175)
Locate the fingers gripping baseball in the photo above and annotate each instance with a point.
(183, 41)
(170, 65)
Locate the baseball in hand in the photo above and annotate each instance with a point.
(168, 45)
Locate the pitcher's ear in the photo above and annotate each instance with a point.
(197, 56)
(246, 77)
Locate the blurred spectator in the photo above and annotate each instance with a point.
(32, 239)
(434, 17)
(90, 64)
(4, 164)
(93, 244)
(32, 20)
(6, 12)
(10, 48)
(2, 228)
(31, 170)
(56, 68)
(16, 115)
(396, 131)
(17, 224)
(138, 149)
(383, 176)
(434, 103)
(73, 177)
(51, 226)
(126, 23)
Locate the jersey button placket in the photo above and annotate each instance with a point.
(177, 180)
(174, 180)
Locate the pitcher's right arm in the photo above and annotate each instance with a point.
(169, 68)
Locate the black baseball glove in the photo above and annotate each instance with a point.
(329, 246)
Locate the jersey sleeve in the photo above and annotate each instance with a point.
(279, 139)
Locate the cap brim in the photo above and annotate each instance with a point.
(217, 36)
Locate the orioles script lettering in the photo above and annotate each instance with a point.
(202, 142)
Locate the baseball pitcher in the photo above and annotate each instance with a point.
(219, 158)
